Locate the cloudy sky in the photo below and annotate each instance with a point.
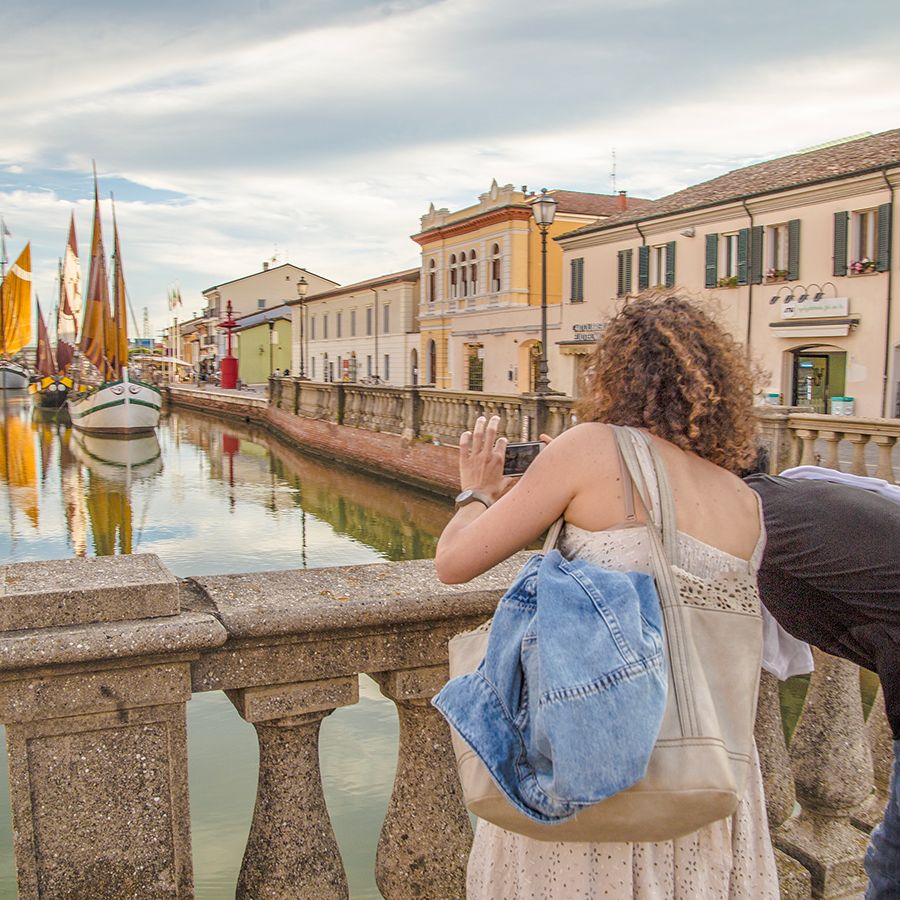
(318, 131)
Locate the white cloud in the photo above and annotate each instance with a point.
(326, 129)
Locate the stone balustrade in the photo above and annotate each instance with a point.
(93, 685)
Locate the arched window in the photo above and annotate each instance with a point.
(473, 274)
(495, 268)
(463, 284)
(453, 286)
(432, 362)
(432, 281)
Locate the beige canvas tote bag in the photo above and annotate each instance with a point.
(703, 754)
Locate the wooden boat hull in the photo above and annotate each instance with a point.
(52, 391)
(117, 407)
(13, 377)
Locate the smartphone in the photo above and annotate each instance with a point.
(520, 456)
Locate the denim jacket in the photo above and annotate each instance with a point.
(565, 708)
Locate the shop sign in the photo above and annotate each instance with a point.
(587, 331)
(827, 307)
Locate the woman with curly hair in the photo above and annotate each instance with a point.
(665, 366)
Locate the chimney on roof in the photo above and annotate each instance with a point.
(266, 266)
(525, 189)
(623, 201)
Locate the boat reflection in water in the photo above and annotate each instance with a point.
(119, 459)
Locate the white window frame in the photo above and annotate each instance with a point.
(729, 262)
(496, 269)
(777, 241)
(864, 234)
(658, 265)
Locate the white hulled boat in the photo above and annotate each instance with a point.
(118, 404)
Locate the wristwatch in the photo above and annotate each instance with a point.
(470, 495)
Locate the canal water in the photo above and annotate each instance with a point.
(210, 497)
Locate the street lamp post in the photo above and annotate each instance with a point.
(544, 210)
(272, 340)
(302, 290)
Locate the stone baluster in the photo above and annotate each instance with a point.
(832, 767)
(832, 443)
(426, 836)
(291, 851)
(807, 437)
(859, 441)
(778, 780)
(885, 444)
(881, 743)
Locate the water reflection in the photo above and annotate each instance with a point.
(209, 497)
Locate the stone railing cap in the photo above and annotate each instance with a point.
(297, 601)
(60, 592)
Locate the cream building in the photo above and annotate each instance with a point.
(480, 304)
(203, 341)
(364, 332)
(797, 255)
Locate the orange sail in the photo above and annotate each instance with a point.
(69, 308)
(15, 305)
(46, 363)
(119, 345)
(96, 328)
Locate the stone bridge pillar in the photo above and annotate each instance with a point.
(94, 674)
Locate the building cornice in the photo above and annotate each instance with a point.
(473, 223)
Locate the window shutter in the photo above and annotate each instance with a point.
(670, 264)
(643, 267)
(577, 286)
(841, 221)
(793, 250)
(883, 260)
(756, 254)
(629, 254)
(712, 260)
(620, 273)
(743, 270)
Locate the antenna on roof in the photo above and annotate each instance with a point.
(612, 175)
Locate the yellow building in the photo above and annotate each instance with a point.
(479, 309)
(795, 255)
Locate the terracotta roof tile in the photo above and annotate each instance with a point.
(854, 157)
(581, 203)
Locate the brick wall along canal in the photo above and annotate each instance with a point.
(211, 497)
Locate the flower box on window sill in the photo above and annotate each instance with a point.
(864, 266)
(773, 276)
(729, 281)
(862, 274)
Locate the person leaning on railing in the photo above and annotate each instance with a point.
(830, 575)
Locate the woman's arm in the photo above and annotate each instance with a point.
(477, 538)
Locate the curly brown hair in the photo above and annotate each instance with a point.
(664, 364)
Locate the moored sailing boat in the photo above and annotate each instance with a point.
(53, 382)
(15, 315)
(118, 405)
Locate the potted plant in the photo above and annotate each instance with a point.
(862, 266)
(727, 281)
(773, 274)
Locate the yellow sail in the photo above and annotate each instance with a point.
(96, 328)
(18, 463)
(119, 345)
(15, 305)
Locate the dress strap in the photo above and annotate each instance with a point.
(627, 488)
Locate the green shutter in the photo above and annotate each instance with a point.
(883, 260)
(620, 273)
(573, 278)
(712, 260)
(793, 250)
(841, 223)
(743, 253)
(643, 267)
(756, 254)
(670, 264)
(580, 262)
(629, 254)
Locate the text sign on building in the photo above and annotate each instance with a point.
(827, 307)
(587, 331)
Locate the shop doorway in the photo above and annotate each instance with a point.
(818, 375)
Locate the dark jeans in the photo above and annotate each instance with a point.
(883, 855)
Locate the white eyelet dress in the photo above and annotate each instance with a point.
(729, 860)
